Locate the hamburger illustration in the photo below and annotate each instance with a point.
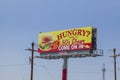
(45, 42)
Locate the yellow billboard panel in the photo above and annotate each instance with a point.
(65, 40)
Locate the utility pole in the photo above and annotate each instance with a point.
(114, 50)
(103, 70)
(114, 56)
(32, 59)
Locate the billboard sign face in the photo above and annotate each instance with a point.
(65, 40)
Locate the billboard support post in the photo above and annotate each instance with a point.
(64, 70)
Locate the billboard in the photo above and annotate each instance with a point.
(66, 40)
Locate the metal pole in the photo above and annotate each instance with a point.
(32, 60)
(115, 76)
(64, 71)
(103, 70)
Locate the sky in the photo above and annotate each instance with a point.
(22, 20)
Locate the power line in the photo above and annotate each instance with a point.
(13, 65)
